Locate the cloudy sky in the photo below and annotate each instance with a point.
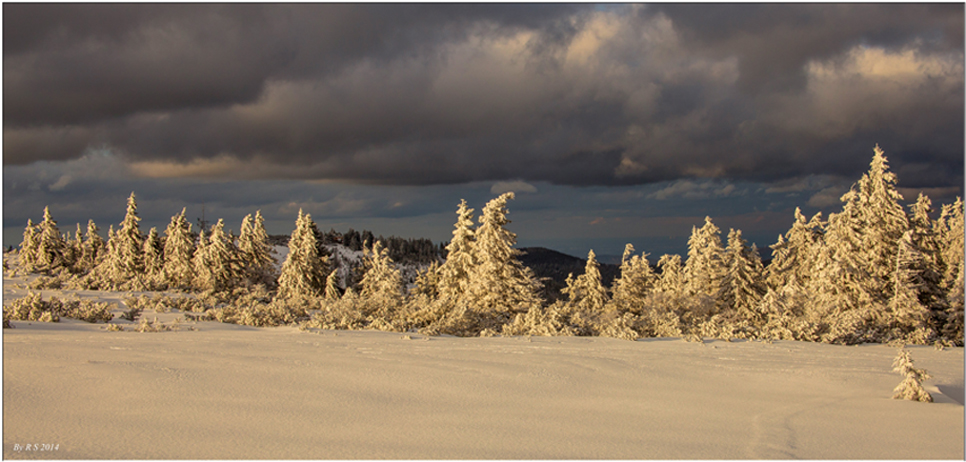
(613, 124)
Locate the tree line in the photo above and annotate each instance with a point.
(873, 272)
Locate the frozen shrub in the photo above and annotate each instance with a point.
(131, 314)
(31, 308)
(560, 318)
(911, 386)
(152, 326)
(623, 327)
(86, 310)
(256, 313)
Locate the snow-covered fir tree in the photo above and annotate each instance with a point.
(911, 386)
(28, 247)
(791, 259)
(908, 315)
(671, 280)
(332, 286)
(382, 283)
(94, 248)
(179, 250)
(704, 270)
(636, 281)
(256, 253)
(586, 291)
(841, 280)
(883, 221)
(130, 243)
(75, 250)
(201, 275)
(950, 232)
(499, 282)
(304, 270)
(50, 244)
(454, 273)
(743, 286)
(112, 270)
(427, 281)
(153, 253)
(216, 264)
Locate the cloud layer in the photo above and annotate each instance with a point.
(447, 94)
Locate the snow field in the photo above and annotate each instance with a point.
(227, 391)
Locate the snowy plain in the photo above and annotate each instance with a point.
(223, 391)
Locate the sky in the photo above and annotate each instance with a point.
(612, 123)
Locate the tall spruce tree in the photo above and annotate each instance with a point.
(705, 269)
(94, 247)
(256, 253)
(454, 273)
(790, 255)
(907, 312)
(671, 281)
(50, 245)
(179, 250)
(28, 247)
(883, 221)
(382, 283)
(586, 291)
(743, 284)
(304, 271)
(499, 281)
(130, 242)
(217, 266)
(153, 253)
(635, 282)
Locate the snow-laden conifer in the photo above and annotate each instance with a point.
(499, 282)
(216, 264)
(636, 281)
(791, 260)
(907, 312)
(841, 280)
(454, 273)
(28, 247)
(50, 244)
(743, 285)
(586, 291)
(94, 247)
(382, 283)
(304, 270)
(427, 281)
(256, 253)
(74, 251)
(671, 280)
(153, 253)
(883, 221)
(130, 242)
(911, 386)
(199, 269)
(704, 270)
(179, 250)
(951, 235)
(332, 286)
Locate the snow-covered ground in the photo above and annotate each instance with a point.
(224, 391)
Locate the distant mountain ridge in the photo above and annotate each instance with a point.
(553, 267)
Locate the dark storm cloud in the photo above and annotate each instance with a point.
(434, 94)
(773, 42)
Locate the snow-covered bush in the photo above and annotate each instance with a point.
(32, 307)
(911, 386)
(153, 326)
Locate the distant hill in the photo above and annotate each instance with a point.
(548, 263)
